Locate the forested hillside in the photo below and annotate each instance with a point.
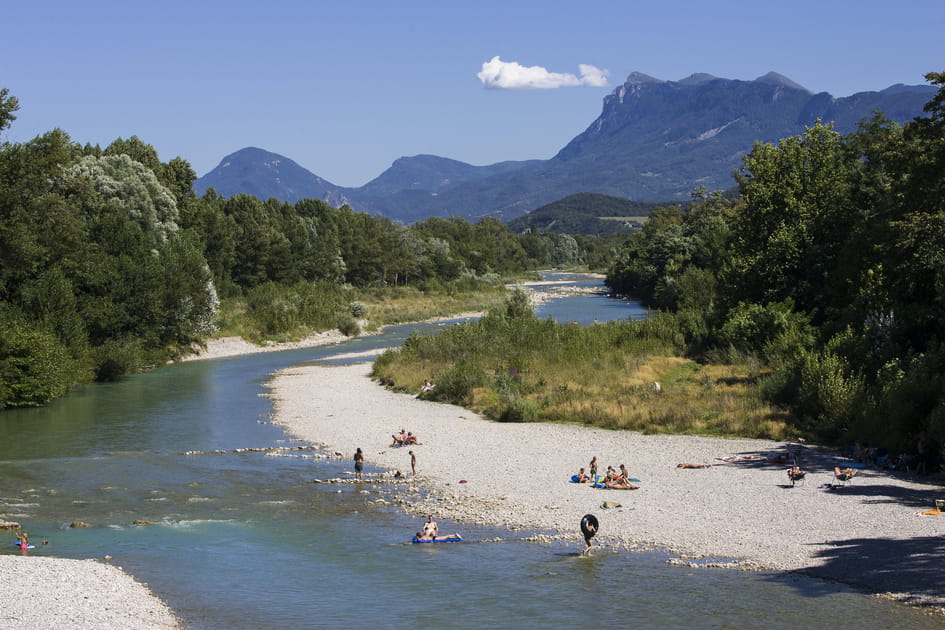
(586, 213)
(109, 262)
(829, 271)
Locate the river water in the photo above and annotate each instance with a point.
(243, 539)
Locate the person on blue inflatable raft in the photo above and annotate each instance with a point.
(430, 530)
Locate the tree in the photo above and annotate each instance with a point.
(131, 186)
(34, 367)
(8, 105)
(795, 221)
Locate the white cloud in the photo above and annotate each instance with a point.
(510, 75)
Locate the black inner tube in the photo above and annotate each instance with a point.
(589, 526)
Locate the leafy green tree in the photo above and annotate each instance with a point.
(795, 221)
(137, 150)
(8, 105)
(34, 367)
(131, 186)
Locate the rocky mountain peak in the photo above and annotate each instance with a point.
(773, 78)
(639, 77)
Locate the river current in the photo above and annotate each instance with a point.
(239, 537)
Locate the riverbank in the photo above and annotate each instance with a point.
(222, 347)
(76, 594)
(870, 534)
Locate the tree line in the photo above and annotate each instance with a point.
(110, 263)
(828, 269)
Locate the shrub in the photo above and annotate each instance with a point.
(34, 367)
(519, 409)
(457, 383)
(831, 391)
(116, 358)
(349, 327)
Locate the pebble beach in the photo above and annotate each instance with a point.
(739, 511)
(42, 593)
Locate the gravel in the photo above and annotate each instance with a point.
(44, 593)
(870, 533)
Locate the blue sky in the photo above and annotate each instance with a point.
(345, 88)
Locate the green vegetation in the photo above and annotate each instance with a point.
(515, 368)
(813, 304)
(829, 271)
(584, 213)
(109, 264)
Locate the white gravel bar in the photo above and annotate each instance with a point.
(42, 593)
(870, 534)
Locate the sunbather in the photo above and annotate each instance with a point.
(693, 465)
(845, 474)
(795, 474)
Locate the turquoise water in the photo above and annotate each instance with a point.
(245, 540)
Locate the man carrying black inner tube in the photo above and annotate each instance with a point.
(589, 529)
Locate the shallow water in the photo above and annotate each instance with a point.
(246, 540)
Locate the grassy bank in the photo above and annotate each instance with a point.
(280, 313)
(517, 368)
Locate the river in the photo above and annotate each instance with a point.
(241, 539)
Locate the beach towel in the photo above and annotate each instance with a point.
(741, 458)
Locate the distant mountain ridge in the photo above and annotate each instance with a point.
(654, 140)
(264, 174)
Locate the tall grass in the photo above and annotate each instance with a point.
(521, 369)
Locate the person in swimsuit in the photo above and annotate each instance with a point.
(588, 535)
(358, 465)
(430, 529)
(399, 439)
(23, 540)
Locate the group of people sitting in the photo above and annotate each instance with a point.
(614, 479)
(923, 461)
(404, 438)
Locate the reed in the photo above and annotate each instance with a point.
(525, 370)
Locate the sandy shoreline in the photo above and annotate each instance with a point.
(868, 534)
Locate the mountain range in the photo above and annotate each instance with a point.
(654, 140)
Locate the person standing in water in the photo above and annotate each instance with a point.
(359, 465)
(589, 527)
